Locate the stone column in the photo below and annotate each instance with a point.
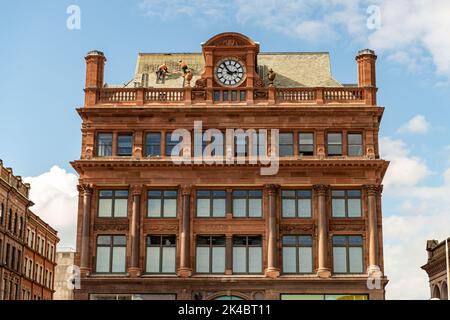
(185, 269)
(135, 235)
(85, 227)
(372, 191)
(323, 270)
(272, 270)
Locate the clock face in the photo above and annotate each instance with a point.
(230, 72)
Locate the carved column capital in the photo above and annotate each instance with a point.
(272, 188)
(321, 189)
(373, 189)
(136, 190)
(185, 189)
(85, 189)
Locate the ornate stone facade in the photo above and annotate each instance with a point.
(142, 110)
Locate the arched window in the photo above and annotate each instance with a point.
(436, 293)
(444, 292)
(228, 298)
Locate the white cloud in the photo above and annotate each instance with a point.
(417, 213)
(55, 196)
(412, 32)
(417, 124)
(405, 170)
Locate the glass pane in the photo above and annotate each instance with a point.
(153, 240)
(339, 260)
(356, 260)
(335, 150)
(306, 138)
(203, 241)
(106, 240)
(307, 150)
(354, 193)
(286, 138)
(255, 260)
(105, 193)
(124, 144)
(305, 241)
(355, 151)
(334, 138)
(121, 193)
(154, 194)
(170, 208)
(170, 194)
(203, 193)
(120, 240)
(354, 208)
(255, 208)
(202, 259)
(239, 193)
(120, 207)
(289, 240)
(218, 260)
(154, 208)
(304, 208)
(219, 207)
(153, 256)
(239, 207)
(354, 138)
(289, 260)
(355, 240)
(288, 193)
(286, 150)
(307, 297)
(118, 259)
(339, 240)
(168, 263)
(239, 260)
(338, 208)
(103, 259)
(288, 208)
(203, 208)
(338, 193)
(305, 260)
(105, 208)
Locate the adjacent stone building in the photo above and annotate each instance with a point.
(153, 228)
(65, 273)
(437, 269)
(27, 244)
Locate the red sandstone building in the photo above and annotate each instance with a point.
(149, 228)
(27, 244)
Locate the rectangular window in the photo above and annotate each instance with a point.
(153, 144)
(211, 203)
(111, 254)
(334, 144)
(355, 144)
(296, 203)
(247, 254)
(286, 144)
(161, 254)
(162, 204)
(247, 203)
(113, 204)
(170, 145)
(241, 142)
(104, 144)
(210, 255)
(347, 254)
(225, 96)
(125, 144)
(346, 204)
(297, 254)
(306, 144)
(216, 95)
(243, 95)
(234, 95)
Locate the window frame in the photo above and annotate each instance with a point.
(113, 201)
(335, 144)
(210, 252)
(313, 144)
(346, 198)
(296, 198)
(347, 247)
(161, 252)
(297, 246)
(211, 199)
(147, 144)
(350, 145)
(111, 247)
(97, 144)
(163, 197)
(247, 199)
(291, 144)
(124, 134)
(247, 255)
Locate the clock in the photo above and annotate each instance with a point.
(230, 72)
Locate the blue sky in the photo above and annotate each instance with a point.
(42, 75)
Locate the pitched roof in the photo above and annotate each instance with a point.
(294, 69)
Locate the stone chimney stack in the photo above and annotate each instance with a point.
(95, 68)
(366, 60)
